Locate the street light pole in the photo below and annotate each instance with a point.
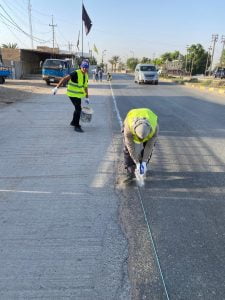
(131, 51)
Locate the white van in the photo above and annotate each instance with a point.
(146, 73)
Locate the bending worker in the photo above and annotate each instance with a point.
(140, 127)
(77, 89)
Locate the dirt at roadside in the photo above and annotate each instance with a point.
(16, 90)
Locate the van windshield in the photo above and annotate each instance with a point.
(54, 63)
(147, 68)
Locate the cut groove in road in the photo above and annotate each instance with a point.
(143, 209)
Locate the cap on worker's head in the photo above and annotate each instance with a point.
(84, 64)
(142, 128)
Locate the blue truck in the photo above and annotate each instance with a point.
(54, 69)
(4, 73)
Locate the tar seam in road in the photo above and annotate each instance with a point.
(140, 198)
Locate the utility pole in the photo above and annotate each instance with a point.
(53, 35)
(30, 24)
(187, 47)
(223, 42)
(192, 65)
(70, 47)
(207, 61)
(214, 40)
(103, 53)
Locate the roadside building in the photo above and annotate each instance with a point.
(27, 61)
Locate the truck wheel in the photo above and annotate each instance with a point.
(156, 82)
(2, 80)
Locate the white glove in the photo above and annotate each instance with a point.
(138, 167)
(86, 100)
(55, 90)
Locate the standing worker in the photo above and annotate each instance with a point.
(77, 89)
(140, 127)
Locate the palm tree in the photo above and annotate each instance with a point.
(111, 61)
(10, 45)
(115, 61)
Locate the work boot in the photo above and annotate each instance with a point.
(130, 172)
(78, 129)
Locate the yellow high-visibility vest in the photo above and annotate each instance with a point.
(77, 89)
(141, 113)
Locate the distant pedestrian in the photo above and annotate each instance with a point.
(100, 74)
(93, 74)
(77, 89)
(109, 77)
(96, 75)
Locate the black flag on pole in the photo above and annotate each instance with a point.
(78, 41)
(86, 19)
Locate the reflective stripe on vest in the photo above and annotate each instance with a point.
(141, 113)
(77, 89)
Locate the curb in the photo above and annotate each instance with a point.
(200, 87)
(209, 89)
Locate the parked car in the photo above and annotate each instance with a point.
(54, 69)
(219, 73)
(146, 73)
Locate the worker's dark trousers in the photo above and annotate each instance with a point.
(76, 115)
(128, 161)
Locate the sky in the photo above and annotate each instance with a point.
(126, 28)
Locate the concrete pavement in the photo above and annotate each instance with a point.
(60, 236)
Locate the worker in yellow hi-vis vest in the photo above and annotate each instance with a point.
(77, 89)
(140, 127)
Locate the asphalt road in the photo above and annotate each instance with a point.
(184, 194)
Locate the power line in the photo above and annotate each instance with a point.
(22, 20)
(12, 22)
(13, 33)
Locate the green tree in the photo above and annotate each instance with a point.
(146, 60)
(175, 55)
(132, 62)
(223, 59)
(115, 60)
(196, 59)
(111, 61)
(157, 61)
(92, 60)
(10, 45)
(170, 56)
(166, 57)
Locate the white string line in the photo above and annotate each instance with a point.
(39, 192)
(139, 194)
(153, 243)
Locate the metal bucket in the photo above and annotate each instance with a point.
(86, 114)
